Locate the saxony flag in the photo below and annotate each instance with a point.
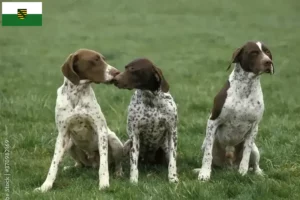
(22, 14)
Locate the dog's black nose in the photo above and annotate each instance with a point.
(267, 63)
(115, 73)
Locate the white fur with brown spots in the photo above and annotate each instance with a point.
(238, 109)
(82, 128)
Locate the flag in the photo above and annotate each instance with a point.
(22, 14)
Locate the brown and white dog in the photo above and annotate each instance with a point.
(81, 125)
(238, 108)
(152, 118)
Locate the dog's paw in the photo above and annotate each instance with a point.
(204, 174)
(66, 168)
(259, 172)
(103, 181)
(243, 170)
(44, 188)
(173, 179)
(76, 165)
(196, 170)
(134, 176)
(103, 185)
(37, 189)
(133, 180)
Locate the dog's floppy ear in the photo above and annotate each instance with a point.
(68, 70)
(164, 86)
(271, 57)
(235, 57)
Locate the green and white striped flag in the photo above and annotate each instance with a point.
(22, 14)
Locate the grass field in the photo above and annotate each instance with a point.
(192, 42)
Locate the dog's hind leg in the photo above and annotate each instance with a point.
(116, 148)
(79, 157)
(254, 160)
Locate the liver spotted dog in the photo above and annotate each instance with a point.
(152, 117)
(81, 125)
(238, 108)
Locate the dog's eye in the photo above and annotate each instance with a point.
(92, 62)
(267, 52)
(130, 68)
(97, 58)
(254, 53)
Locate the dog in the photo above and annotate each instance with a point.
(152, 117)
(82, 128)
(238, 108)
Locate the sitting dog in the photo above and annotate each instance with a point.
(152, 117)
(238, 108)
(81, 125)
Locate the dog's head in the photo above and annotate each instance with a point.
(141, 74)
(90, 65)
(254, 57)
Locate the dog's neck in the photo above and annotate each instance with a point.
(244, 83)
(81, 87)
(149, 97)
(75, 92)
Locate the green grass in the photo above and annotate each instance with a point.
(192, 42)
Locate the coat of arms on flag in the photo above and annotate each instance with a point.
(22, 13)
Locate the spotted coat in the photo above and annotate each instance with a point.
(233, 124)
(81, 125)
(152, 127)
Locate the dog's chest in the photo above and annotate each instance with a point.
(153, 129)
(151, 121)
(247, 109)
(239, 114)
(83, 135)
(78, 115)
(152, 126)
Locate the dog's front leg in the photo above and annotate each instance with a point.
(172, 169)
(103, 153)
(62, 144)
(244, 165)
(134, 157)
(205, 171)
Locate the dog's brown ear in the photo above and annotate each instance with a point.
(164, 86)
(235, 57)
(68, 70)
